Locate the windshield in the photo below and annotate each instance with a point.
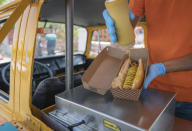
(3, 2)
(52, 40)
(5, 47)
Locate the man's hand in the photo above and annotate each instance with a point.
(154, 71)
(111, 24)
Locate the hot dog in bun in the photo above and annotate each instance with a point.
(131, 75)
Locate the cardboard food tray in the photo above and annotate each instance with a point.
(106, 66)
(133, 94)
(103, 69)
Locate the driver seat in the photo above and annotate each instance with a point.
(44, 95)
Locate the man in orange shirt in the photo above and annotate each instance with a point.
(170, 47)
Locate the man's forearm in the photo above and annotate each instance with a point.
(180, 64)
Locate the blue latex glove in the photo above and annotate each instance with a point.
(154, 71)
(111, 24)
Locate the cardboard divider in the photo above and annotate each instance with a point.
(100, 74)
(136, 54)
(106, 66)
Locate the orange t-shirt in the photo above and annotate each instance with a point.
(169, 36)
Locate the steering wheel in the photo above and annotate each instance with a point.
(37, 65)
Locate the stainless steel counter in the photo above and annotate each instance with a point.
(154, 110)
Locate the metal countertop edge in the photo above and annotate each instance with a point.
(163, 111)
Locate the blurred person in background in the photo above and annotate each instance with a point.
(51, 41)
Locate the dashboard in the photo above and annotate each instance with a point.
(55, 63)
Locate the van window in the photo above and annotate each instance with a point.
(5, 58)
(5, 47)
(3, 2)
(100, 39)
(139, 40)
(52, 40)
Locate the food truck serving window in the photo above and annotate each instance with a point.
(101, 39)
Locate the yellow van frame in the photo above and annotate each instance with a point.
(24, 15)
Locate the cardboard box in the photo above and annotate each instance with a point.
(106, 66)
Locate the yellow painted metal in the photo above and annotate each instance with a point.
(18, 69)
(8, 9)
(6, 14)
(49, 109)
(24, 68)
(7, 109)
(13, 18)
(88, 44)
(96, 27)
(18, 107)
(13, 63)
(28, 58)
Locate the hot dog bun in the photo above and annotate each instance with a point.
(139, 77)
(131, 75)
(119, 80)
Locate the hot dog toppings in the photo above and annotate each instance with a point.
(130, 76)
